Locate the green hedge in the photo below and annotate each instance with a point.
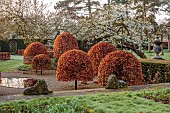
(4, 46)
(153, 68)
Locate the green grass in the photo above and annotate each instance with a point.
(12, 64)
(150, 54)
(117, 102)
(159, 96)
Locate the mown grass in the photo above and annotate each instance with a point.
(162, 96)
(12, 64)
(117, 102)
(150, 54)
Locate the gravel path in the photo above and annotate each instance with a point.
(49, 77)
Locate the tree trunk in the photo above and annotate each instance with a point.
(108, 2)
(133, 48)
(144, 11)
(168, 43)
(75, 84)
(162, 52)
(36, 71)
(89, 7)
(149, 46)
(41, 72)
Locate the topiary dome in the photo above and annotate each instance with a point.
(98, 51)
(41, 62)
(75, 65)
(63, 43)
(32, 50)
(124, 65)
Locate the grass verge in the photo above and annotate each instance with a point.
(12, 64)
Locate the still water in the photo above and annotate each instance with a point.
(12, 82)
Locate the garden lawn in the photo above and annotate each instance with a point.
(12, 64)
(149, 55)
(117, 102)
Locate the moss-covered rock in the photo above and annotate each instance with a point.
(112, 82)
(40, 88)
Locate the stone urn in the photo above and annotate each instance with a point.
(157, 48)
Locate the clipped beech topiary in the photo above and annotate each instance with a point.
(32, 50)
(63, 43)
(99, 51)
(41, 62)
(124, 65)
(75, 65)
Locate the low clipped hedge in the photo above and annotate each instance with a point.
(5, 55)
(156, 71)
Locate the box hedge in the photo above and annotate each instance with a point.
(156, 69)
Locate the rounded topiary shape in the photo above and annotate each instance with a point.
(99, 51)
(75, 65)
(63, 43)
(124, 65)
(41, 62)
(32, 50)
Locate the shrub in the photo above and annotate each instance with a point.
(99, 51)
(20, 51)
(54, 63)
(112, 82)
(75, 65)
(63, 43)
(156, 71)
(24, 67)
(32, 50)
(124, 65)
(41, 62)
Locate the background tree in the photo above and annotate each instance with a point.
(114, 24)
(28, 19)
(76, 7)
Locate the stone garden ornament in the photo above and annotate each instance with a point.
(157, 48)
